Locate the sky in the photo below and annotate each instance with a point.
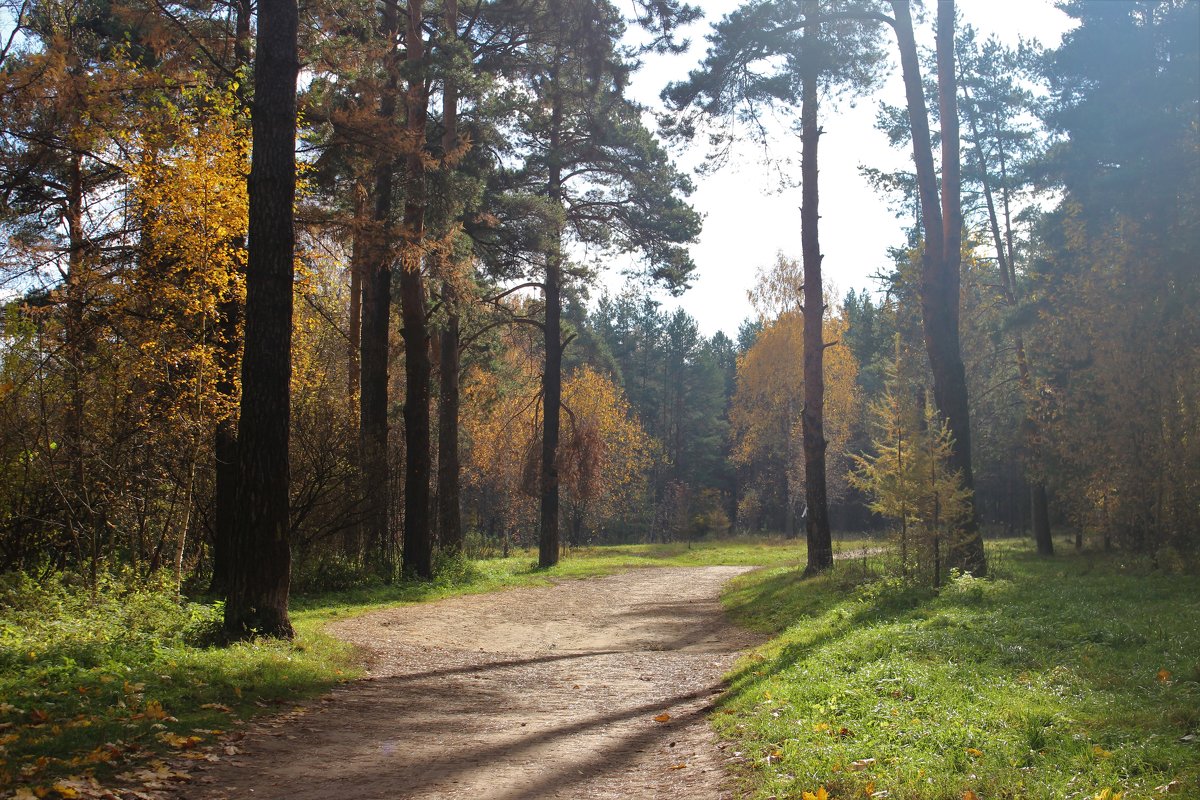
(748, 219)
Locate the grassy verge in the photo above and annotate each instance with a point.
(90, 683)
(1061, 678)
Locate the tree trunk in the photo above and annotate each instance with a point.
(418, 541)
(225, 454)
(1039, 507)
(940, 263)
(259, 580)
(75, 332)
(374, 466)
(820, 542)
(449, 472)
(548, 540)
(229, 317)
(358, 253)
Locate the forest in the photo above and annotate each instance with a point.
(304, 298)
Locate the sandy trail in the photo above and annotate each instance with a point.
(548, 692)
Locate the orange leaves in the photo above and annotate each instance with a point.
(663, 718)
(1164, 675)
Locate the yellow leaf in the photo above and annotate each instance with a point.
(1164, 675)
(154, 710)
(820, 795)
(1100, 752)
(972, 751)
(677, 766)
(663, 718)
(869, 789)
(969, 794)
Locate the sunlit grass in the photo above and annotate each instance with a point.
(1058, 679)
(90, 682)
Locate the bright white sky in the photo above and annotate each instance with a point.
(747, 220)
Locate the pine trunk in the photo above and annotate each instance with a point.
(820, 542)
(940, 262)
(417, 556)
(449, 471)
(1039, 505)
(376, 277)
(229, 316)
(548, 542)
(259, 581)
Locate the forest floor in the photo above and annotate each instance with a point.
(594, 688)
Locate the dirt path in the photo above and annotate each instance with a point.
(531, 693)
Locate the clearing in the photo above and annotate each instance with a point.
(594, 688)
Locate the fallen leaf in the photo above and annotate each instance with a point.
(663, 718)
(973, 751)
(1100, 752)
(218, 707)
(1164, 675)
(181, 742)
(969, 794)
(861, 764)
(1168, 788)
(677, 766)
(154, 710)
(821, 794)
(869, 789)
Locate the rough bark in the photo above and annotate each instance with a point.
(417, 556)
(548, 539)
(225, 455)
(940, 261)
(259, 581)
(358, 253)
(449, 472)
(76, 346)
(820, 542)
(229, 316)
(375, 470)
(1039, 506)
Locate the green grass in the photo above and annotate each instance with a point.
(1042, 683)
(90, 683)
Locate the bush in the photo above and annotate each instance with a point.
(332, 573)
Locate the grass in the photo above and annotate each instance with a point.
(90, 683)
(1060, 678)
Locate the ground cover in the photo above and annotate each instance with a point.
(92, 682)
(1071, 677)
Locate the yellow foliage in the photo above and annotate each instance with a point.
(765, 414)
(603, 453)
